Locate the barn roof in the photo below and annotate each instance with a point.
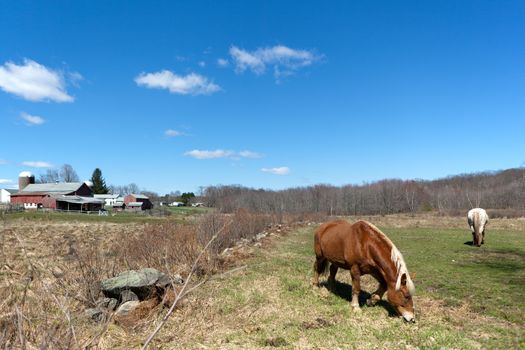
(79, 199)
(61, 187)
(106, 196)
(139, 196)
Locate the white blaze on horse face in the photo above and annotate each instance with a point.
(408, 316)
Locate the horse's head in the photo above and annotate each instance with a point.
(401, 299)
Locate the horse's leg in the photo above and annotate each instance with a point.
(483, 236)
(381, 289)
(356, 286)
(331, 278)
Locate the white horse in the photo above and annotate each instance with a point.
(477, 220)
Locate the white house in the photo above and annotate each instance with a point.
(5, 195)
(110, 199)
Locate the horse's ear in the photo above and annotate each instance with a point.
(404, 279)
(413, 275)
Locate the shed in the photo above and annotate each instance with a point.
(5, 195)
(134, 206)
(138, 198)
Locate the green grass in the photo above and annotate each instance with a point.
(117, 217)
(468, 298)
(120, 217)
(490, 278)
(186, 211)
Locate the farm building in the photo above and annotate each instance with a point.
(118, 204)
(134, 206)
(110, 199)
(138, 198)
(5, 195)
(75, 196)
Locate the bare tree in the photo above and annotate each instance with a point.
(68, 174)
(50, 176)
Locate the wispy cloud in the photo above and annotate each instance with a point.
(6, 182)
(3, 161)
(34, 82)
(32, 120)
(173, 133)
(191, 84)
(277, 171)
(222, 62)
(205, 154)
(284, 60)
(37, 164)
(219, 153)
(250, 154)
(202, 64)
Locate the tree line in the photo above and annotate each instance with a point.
(492, 189)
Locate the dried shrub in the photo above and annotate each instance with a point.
(44, 294)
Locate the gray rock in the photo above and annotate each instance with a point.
(127, 295)
(127, 307)
(141, 282)
(107, 303)
(95, 314)
(177, 279)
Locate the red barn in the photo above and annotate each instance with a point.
(133, 199)
(61, 196)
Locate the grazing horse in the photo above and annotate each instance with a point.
(363, 249)
(477, 220)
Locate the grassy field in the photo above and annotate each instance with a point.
(117, 217)
(467, 298)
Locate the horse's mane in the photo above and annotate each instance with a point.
(397, 259)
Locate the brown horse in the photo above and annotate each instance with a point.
(363, 249)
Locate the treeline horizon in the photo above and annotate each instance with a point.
(502, 189)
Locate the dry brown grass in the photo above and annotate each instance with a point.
(437, 220)
(50, 272)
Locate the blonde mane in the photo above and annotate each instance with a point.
(397, 259)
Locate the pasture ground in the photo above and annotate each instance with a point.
(467, 298)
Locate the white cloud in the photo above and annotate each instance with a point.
(173, 133)
(277, 171)
(204, 154)
(222, 62)
(243, 60)
(250, 154)
(32, 119)
(219, 153)
(37, 164)
(6, 182)
(34, 82)
(191, 84)
(284, 60)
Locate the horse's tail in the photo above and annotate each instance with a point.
(321, 263)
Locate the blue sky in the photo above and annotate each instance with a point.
(175, 95)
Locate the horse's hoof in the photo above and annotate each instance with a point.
(370, 302)
(356, 309)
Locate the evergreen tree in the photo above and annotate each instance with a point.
(186, 198)
(99, 184)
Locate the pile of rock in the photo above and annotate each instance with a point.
(133, 292)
